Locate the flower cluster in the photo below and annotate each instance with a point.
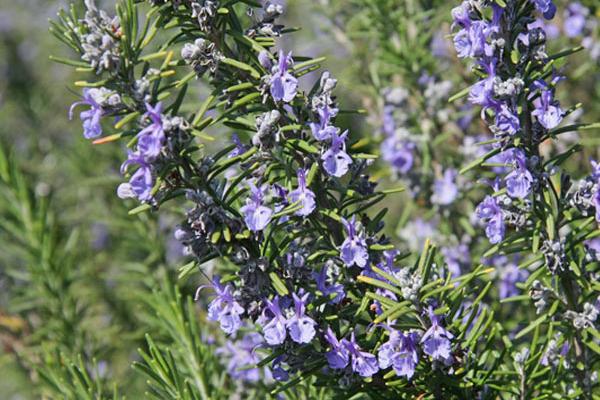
(276, 204)
(100, 39)
(407, 129)
(100, 101)
(585, 197)
(501, 94)
(282, 199)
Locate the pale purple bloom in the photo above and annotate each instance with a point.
(400, 352)
(90, 118)
(398, 153)
(550, 356)
(504, 160)
(264, 58)
(240, 355)
(592, 247)
(239, 147)
(386, 351)
(490, 212)
(152, 137)
(406, 359)
(445, 190)
(471, 41)
(548, 112)
(575, 19)
(551, 29)
(388, 122)
(283, 84)
(546, 7)
(338, 357)
(336, 161)
(462, 43)
(256, 215)
(354, 248)
(274, 331)
(507, 121)
(520, 180)
(510, 275)
(461, 14)
(323, 130)
(465, 120)
(337, 288)
(224, 308)
(304, 195)
(141, 182)
(436, 341)
(439, 45)
(301, 327)
(277, 370)
(458, 258)
(482, 92)
(363, 363)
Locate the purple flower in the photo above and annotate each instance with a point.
(90, 118)
(575, 19)
(323, 130)
(398, 153)
(482, 92)
(461, 14)
(592, 247)
(546, 7)
(490, 212)
(264, 58)
(277, 370)
(470, 41)
(510, 275)
(338, 289)
(507, 121)
(439, 45)
(301, 327)
(256, 215)
(223, 307)
(241, 354)
(283, 84)
(436, 341)
(338, 357)
(302, 194)
(548, 112)
(386, 352)
(445, 190)
(458, 258)
(354, 248)
(274, 330)
(363, 363)
(152, 137)
(141, 182)
(335, 160)
(519, 181)
(388, 122)
(400, 352)
(239, 147)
